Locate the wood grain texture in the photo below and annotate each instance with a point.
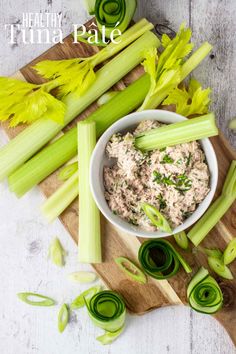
(140, 299)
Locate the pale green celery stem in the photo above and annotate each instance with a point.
(125, 39)
(60, 200)
(27, 143)
(210, 219)
(229, 187)
(178, 133)
(89, 216)
(217, 209)
(191, 64)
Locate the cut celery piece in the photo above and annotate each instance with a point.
(177, 133)
(61, 199)
(89, 216)
(217, 209)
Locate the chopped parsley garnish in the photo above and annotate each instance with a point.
(189, 159)
(181, 182)
(159, 178)
(162, 149)
(186, 214)
(162, 202)
(167, 159)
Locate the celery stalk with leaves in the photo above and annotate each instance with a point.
(171, 67)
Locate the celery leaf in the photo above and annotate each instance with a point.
(64, 72)
(193, 100)
(164, 71)
(23, 102)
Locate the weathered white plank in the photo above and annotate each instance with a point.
(215, 21)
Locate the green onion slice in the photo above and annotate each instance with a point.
(109, 337)
(79, 302)
(230, 252)
(41, 300)
(219, 268)
(215, 253)
(232, 124)
(107, 310)
(57, 253)
(204, 294)
(68, 171)
(160, 260)
(156, 217)
(63, 318)
(114, 14)
(131, 270)
(83, 277)
(181, 240)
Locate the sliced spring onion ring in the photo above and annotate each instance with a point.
(114, 14)
(131, 270)
(181, 240)
(160, 260)
(107, 311)
(63, 318)
(219, 268)
(79, 302)
(109, 337)
(215, 253)
(68, 171)
(43, 300)
(204, 294)
(57, 253)
(82, 277)
(156, 218)
(106, 97)
(230, 252)
(232, 124)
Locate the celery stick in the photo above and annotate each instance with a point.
(217, 209)
(89, 216)
(177, 133)
(29, 175)
(53, 155)
(61, 199)
(27, 143)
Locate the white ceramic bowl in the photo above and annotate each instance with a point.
(99, 160)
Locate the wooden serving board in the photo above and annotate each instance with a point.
(143, 298)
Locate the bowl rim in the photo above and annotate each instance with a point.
(97, 163)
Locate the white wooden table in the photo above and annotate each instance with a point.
(25, 236)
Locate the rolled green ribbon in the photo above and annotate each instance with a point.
(107, 310)
(114, 14)
(160, 260)
(204, 294)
